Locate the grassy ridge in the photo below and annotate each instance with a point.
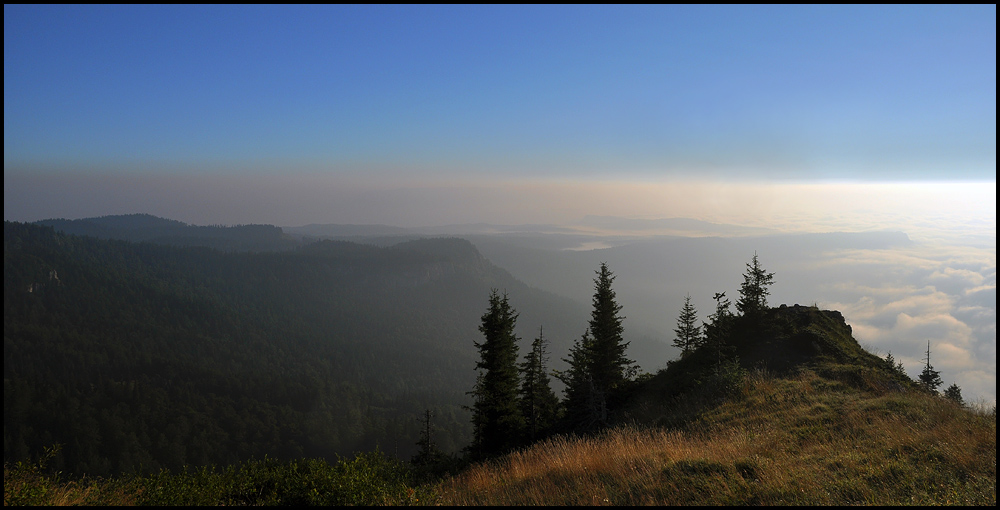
(802, 440)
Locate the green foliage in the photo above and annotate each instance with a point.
(688, 332)
(726, 378)
(26, 484)
(895, 366)
(367, 479)
(496, 416)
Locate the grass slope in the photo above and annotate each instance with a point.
(800, 440)
(810, 418)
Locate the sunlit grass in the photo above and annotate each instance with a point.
(806, 440)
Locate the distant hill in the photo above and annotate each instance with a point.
(148, 228)
(141, 356)
(670, 226)
(332, 230)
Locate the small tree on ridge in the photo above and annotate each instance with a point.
(930, 378)
(753, 291)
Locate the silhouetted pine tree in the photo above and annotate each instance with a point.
(539, 404)
(719, 327)
(608, 365)
(598, 366)
(428, 451)
(584, 408)
(753, 291)
(496, 416)
(688, 332)
(930, 378)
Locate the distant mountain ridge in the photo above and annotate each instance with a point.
(588, 227)
(149, 228)
(674, 226)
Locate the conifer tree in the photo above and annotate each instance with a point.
(539, 404)
(954, 393)
(598, 366)
(428, 451)
(608, 366)
(753, 291)
(688, 333)
(584, 407)
(930, 378)
(496, 416)
(719, 327)
(895, 366)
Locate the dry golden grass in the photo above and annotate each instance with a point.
(806, 440)
(25, 485)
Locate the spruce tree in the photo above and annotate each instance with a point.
(895, 366)
(719, 327)
(609, 367)
(598, 368)
(954, 393)
(584, 407)
(930, 379)
(753, 291)
(539, 404)
(496, 416)
(428, 451)
(688, 333)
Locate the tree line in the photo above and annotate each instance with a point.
(514, 404)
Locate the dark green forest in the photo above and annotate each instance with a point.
(137, 356)
(149, 228)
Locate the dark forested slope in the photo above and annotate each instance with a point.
(136, 356)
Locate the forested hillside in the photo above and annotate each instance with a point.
(146, 227)
(137, 356)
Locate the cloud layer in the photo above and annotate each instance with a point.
(900, 299)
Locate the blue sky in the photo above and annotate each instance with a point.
(869, 93)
